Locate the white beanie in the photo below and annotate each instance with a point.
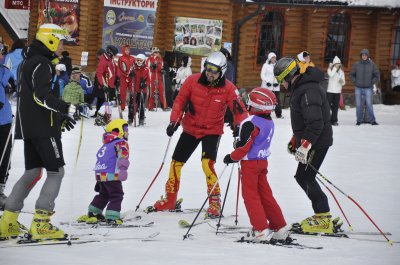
(336, 60)
(61, 67)
(301, 56)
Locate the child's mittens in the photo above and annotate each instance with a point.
(123, 165)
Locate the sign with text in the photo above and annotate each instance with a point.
(17, 4)
(64, 13)
(129, 23)
(197, 36)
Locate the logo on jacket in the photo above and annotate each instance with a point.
(263, 153)
(99, 166)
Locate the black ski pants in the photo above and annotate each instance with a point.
(305, 177)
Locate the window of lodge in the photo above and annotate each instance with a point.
(337, 38)
(395, 43)
(270, 35)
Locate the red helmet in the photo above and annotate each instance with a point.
(261, 101)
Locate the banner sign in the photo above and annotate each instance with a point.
(17, 4)
(129, 22)
(197, 36)
(64, 13)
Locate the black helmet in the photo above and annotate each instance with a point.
(112, 50)
(285, 69)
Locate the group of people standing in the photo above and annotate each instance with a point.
(199, 108)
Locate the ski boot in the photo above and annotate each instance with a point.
(113, 218)
(100, 120)
(141, 122)
(167, 203)
(318, 223)
(214, 208)
(9, 226)
(41, 228)
(256, 236)
(282, 235)
(91, 218)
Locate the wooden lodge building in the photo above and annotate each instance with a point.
(255, 28)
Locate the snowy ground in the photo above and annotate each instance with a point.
(362, 162)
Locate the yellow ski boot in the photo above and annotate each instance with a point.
(41, 228)
(319, 223)
(9, 226)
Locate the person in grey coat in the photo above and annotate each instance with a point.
(364, 74)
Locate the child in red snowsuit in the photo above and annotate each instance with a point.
(252, 149)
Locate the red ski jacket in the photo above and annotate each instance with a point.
(141, 78)
(125, 65)
(207, 107)
(106, 71)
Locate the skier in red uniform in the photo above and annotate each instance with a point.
(141, 83)
(252, 150)
(204, 97)
(155, 64)
(125, 73)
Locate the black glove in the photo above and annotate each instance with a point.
(67, 123)
(105, 89)
(117, 81)
(172, 127)
(235, 130)
(154, 66)
(97, 186)
(1, 105)
(228, 159)
(132, 74)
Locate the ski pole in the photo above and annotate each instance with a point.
(337, 202)
(205, 201)
(237, 194)
(7, 141)
(223, 204)
(69, 243)
(356, 203)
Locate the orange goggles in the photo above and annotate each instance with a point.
(212, 69)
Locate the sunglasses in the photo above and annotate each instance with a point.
(212, 69)
(274, 85)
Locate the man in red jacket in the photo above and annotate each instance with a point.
(204, 97)
(155, 64)
(125, 73)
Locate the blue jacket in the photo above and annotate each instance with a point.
(13, 60)
(5, 111)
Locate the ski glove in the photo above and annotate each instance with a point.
(67, 123)
(291, 147)
(228, 159)
(235, 130)
(172, 127)
(131, 74)
(302, 152)
(105, 89)
(71, 110)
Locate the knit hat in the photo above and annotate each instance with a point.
(364, 51)
(76, 70)
(336, 60)
(61, 67)
(301, 56)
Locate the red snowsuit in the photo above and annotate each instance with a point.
(155, 64)
(106, 71)
(262, 208)
(125, 67)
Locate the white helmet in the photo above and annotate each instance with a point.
(218, 60)
(51, 35)
(140, 58)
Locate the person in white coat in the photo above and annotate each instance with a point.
(335, 84)
(183, 72)
(396, 76)
(269, 81)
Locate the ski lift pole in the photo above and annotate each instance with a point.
(356, 203)
(205, 201)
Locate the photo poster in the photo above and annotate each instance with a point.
(197, 36)
(129, 23)
(64, 13)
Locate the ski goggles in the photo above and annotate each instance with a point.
(212, 69)
(274, 84)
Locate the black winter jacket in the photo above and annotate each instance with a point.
(39, 106)
(309, 110)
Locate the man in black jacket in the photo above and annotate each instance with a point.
(312, 136)
(40, 115)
